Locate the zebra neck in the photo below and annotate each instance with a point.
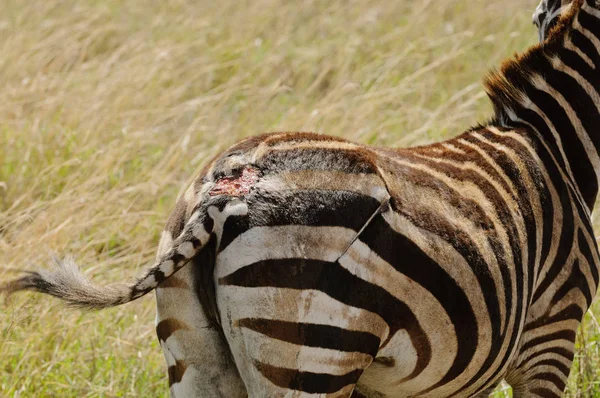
(554, 91)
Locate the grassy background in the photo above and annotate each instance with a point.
(108, 109)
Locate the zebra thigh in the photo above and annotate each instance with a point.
(289, 310)
(289, 325)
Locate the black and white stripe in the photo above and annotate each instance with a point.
(326, 268)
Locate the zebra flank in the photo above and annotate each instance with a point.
(303, 265)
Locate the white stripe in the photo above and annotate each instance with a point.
(186, 249)
(590, 10)
(452, 148)
(200, 233)
(146, 283)
(288, 305)
(569, 45)
(574, 296)
(545, 330)
(283, 242)
(303, 358)
(365, 184)
(167, 267)
(589, 35)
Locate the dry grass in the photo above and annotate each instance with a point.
(110, 107)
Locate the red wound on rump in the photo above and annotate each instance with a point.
(235, 186)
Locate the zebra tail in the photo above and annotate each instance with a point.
(65, 281)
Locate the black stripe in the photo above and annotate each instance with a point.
(589, 22)
(159, 275)
(572, 311)
(568, 335)
(563, 352)
(555, 363)
(314, 207)
(202, 267)
(565, 244)
(585, 45)
(312, 383)
(575, 280)
(176, 372)
(586, 252)
(314, 335)
(552, 378)
(167, 327)
(208, 224)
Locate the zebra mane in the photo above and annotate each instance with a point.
(505, 87)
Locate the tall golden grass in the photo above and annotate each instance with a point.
(109, 108)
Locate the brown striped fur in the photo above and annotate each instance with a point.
(344, 270)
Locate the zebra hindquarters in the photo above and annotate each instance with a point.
(292, 315)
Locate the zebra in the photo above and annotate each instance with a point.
(303, 265)
(546, 15)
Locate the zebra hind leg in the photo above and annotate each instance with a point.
(543, 368)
